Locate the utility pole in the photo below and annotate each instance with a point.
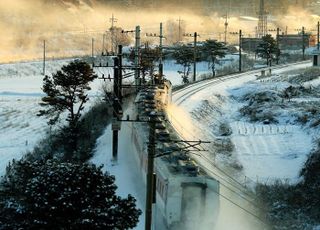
(318, 36)
(195, 57)
(44, 58)
(160, 47)
(136, 57)
(120, 74)
(240, 52)
(150, 182)
(117, 86)
(195, 35)
(92, 50)
(113, 20)
(179, 20)
(116, 103)
(303, 45)
(278, 50)
(226, 29)
(103, 43)
(160, 36)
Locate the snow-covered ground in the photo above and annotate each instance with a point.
(20, 94)
(265, 152)
(269, 152)
(171, 69)
(126, 171)
(273, 151)
(21, 129)
(251, 152)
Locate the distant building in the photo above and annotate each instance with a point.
(294, 41)
(286, 42)
(250, 44)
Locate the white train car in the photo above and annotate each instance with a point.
(186, 198)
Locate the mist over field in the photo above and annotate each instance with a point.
(68, 26)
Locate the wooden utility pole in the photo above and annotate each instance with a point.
(103, 43)
(150, 176)
(136, 57)
(278, 49)
(179, 29)
(303, 45)
(160, 36)
(92, 50)
(116, 104)
(119, 83)
(195, 35)
(240, 52)
(44, 58)
(195, 57)
(117, 101)
(226, 29)
(160, 47)
(318, 36)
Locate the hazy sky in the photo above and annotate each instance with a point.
(68, 30)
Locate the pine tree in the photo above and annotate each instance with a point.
(66, 90)
(213, 49)
(55, 195)
(268, 49)
(184, 56)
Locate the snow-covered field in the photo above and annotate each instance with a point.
(20, 94)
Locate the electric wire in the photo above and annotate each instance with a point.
(228, 199)
(230, 189)
(225, 197)
(212, 163)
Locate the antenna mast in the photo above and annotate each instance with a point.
(263, 20)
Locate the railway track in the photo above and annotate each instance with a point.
(183, 94)
(240, 187)
(180, 96)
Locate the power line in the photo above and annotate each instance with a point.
(223, 196)
(232, 190)
(153, 136)
(219, 169)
